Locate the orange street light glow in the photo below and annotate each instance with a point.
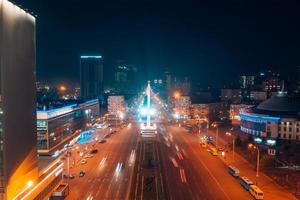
(57, 169)
(62, 88)
(176, 95)
(228, 133)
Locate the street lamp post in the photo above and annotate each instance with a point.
(233, 144)
(257, 161)
(217, 133)
(257, 166)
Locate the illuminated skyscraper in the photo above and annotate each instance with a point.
(91, 77)
(18, 153)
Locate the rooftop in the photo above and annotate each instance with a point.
(279, 105)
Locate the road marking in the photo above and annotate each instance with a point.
(182, 175)
(101, 165)
(214, 178)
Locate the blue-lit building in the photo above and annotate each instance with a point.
(275, 118)
(56, 127)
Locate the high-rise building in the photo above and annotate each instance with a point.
(126, 78)
(91, 77)
(18, 153)
(270, 81)
(247, 82)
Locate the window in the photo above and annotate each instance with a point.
(269, 122)
(284, 128)
(279, 135)
(279, 128)
(290, 136)
(297, 130)
(284, 135)
(297, 137)
(284, 123)
(290, 129)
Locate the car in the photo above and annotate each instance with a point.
(83, 161)
(220, 149)
(204, 145)
(94, 151)
(69, 176)
(102, 141)
(107, 136)
(81, 173)
(89, 155)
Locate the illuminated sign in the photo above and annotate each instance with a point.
(258, 118)
(90, 57)
(55, 112)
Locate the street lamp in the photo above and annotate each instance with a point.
(251, 146)
(215, 125)
(233, 144)
(176, 95)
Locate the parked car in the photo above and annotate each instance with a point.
(102, 141)
(69, 176)
(89, 155)
(83, 161)
(94, 151)
(81, 173)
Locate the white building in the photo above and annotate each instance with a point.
(116, 105)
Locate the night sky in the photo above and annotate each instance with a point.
(212, 42)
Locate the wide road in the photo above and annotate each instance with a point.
(108, 173)
(191, 172)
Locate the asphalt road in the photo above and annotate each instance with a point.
(109, 172)
(191, 172)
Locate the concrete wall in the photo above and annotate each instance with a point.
(17, 89)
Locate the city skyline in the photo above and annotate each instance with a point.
(224, 39)
(148, 100)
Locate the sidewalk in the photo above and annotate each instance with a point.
(270, 188)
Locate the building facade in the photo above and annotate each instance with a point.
(126, 79)
(56, 127)
(247, 82)
(235, 111)
(275, 118)
(116, 105)
(231, 95)
(258, 96)
(182, 107)
(209, 111)
(18, 166)
(91, 77)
